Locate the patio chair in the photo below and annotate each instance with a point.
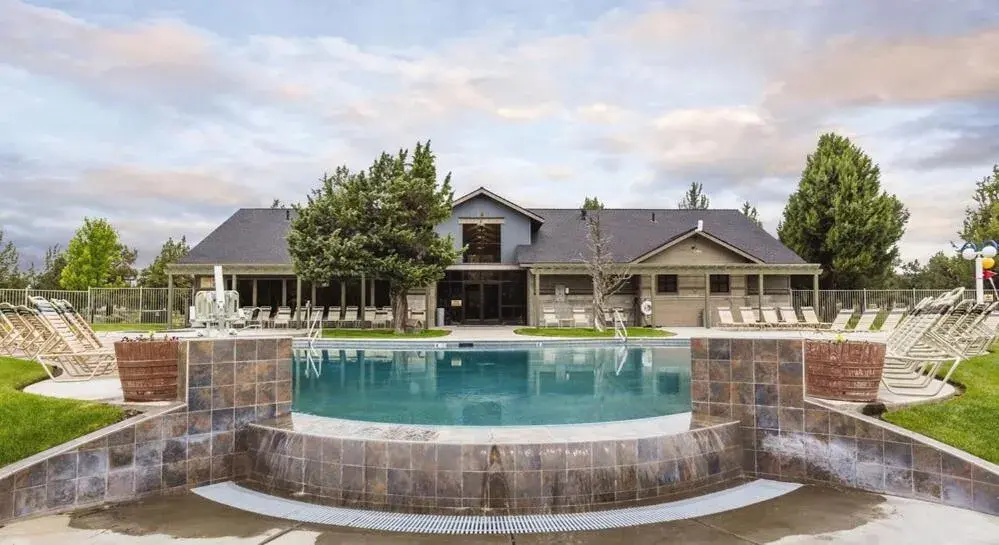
(842, 318)
(771, 319)
(15, 333)
(866, 320)
(892, 319)
(282, 318)
(549, 318)
(370, 316)
(579, 318)
(382, 317)
(77, 360)
(264, 316)
(37, 337)
(350, 315)
(725, 320)
(811, 319)
(789, 317)
(751, 317)
(78, 322)
(420, 315)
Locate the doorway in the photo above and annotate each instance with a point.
(482, 303)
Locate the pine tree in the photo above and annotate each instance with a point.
(750, 211)
(694, 198)
(840, 218)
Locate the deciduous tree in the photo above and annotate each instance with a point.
(694, 198)
(55, 262)
(379, 223)
(96, 258)
(607, 276)
(840, 217)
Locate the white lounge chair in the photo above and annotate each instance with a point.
(843, 318)
(770, 317)
(75, 358)
(725, 320)
(549, 318)
(789, 317)
(751, 317)
(867, 319)
(811, 319)
(579, 318)
(282, 318)
(892, 319)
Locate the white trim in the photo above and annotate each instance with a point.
(485, 192)
(689, 234)
(480, 221)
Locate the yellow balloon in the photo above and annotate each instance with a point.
(988, 263)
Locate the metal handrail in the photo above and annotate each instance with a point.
(620, 330)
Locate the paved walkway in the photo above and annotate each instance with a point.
(809, 515)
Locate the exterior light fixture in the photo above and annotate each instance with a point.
(984, 258)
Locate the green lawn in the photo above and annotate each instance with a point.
(129, 327)
(968, 421)
(381, 334)
(31, 423)
(588, 332)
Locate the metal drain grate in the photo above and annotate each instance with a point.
(233, 495)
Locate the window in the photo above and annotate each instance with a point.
(752, 284)
(482, 242)
(719, 283)
(666, 283)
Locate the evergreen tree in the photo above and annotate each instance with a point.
(96, 258)
(379, 223)
(694, 198)
(750, 211)
(840, 218)
(154, 276)
(55, 262)
(10, 263)
(592, 203)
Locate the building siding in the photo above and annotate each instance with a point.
(516, 229)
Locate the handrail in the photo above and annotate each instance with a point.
(620, 330)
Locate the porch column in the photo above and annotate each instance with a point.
(232, 280)
(360, 309)
(169, 301)
(707, 300)
(343, 300)
(815, 291)
(759, 296)
(298, 291)
(529, 288)
(313, 293)
(431, 304)
(253, 299)
(537, 299)
(284, 292)
(372, 292)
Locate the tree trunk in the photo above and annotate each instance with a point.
(598, 304)
(400, 309)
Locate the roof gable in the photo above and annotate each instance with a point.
(483, 192)
(249, 236)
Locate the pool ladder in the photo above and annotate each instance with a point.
(313, 331)
(620, 330)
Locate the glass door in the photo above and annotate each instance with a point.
(473, 303)
(491, 302)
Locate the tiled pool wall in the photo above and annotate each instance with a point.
(788, 436)
(225, 385)
(503, 478)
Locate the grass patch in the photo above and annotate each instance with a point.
(31, 423)
(129, 327)
(589, 332)
(967, 421)
(381, 334)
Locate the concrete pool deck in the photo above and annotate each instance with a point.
(809, 515)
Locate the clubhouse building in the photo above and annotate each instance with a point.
(521, 263)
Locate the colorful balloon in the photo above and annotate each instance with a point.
(988, 263)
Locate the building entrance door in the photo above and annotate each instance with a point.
(482, 303)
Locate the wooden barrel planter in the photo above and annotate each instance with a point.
(147, 370)
(844, 370)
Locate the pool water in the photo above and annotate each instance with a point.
(494, 387)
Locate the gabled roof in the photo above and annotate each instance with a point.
(509, 204)
(250, 236)
(633, 234)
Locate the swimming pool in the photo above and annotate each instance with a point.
(499, 387)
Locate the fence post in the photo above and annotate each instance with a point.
(140, 304)
(864, 307)
(90, 305)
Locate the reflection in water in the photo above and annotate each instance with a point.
(494, 387)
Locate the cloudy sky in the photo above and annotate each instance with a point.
(165, 116)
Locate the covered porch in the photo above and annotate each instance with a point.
(353, 302)
(681, 295)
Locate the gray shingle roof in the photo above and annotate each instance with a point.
(633, 234)
(250, 236)
(259, 236)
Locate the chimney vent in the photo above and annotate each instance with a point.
(700, 225)
(582, 213)
(653, 217)
(287, 214)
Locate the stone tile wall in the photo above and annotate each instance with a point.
(432, 477)
(229, 383)
(789, 436)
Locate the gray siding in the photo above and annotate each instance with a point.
(516, 229)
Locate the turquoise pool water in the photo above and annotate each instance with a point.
(494, 387)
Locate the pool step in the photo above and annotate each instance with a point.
(750, 493)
